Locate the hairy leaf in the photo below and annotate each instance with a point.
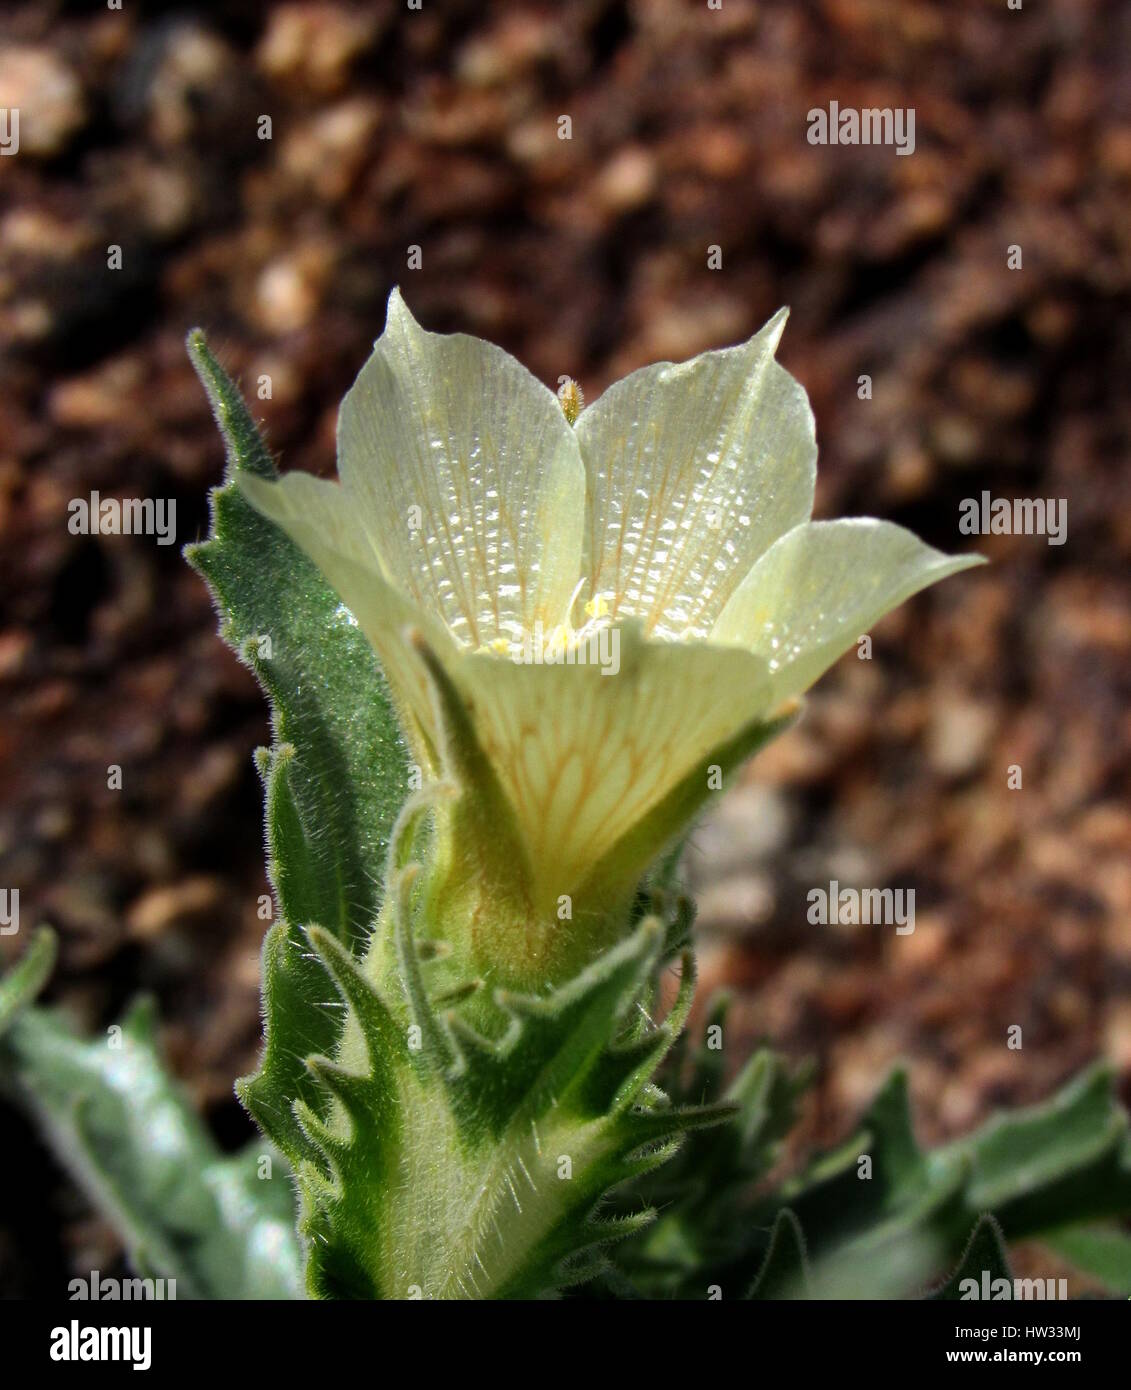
(217, 1224)
(25, 979)
(879, 1216)
(335, 777)
(1103, 1251)
(984, 1256)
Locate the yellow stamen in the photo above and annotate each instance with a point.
(572, 399)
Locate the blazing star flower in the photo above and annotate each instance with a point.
(583, 612)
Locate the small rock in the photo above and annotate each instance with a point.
(735, 904)
(749, 825)
(627, 181)
(288, 291)
(47, 94)
(959, 734)
(196, 72)
(315, 45)
(328, 152)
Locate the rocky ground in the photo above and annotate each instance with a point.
(439, 129)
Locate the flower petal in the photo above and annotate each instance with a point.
(584, 756)
(467, 478)
(320, 519)
(694, 470)
(822, 585)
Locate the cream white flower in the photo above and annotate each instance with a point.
(470, 515)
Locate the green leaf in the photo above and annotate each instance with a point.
(1065, 1161)
(889, 1226)
(25, 979)
(785, 1271)
(984, 1256)
(337, 773)
(1104, 1252)
(134, 1144)
(704, 1195)
(335, 732)
(878, 1177)
(1061, 1162)
(877, 1213)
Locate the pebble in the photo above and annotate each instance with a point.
(289, 289)
(315, 46)
(959, 733)
(47, 94)
(627, 181)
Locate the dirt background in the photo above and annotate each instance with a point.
(439, 129)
